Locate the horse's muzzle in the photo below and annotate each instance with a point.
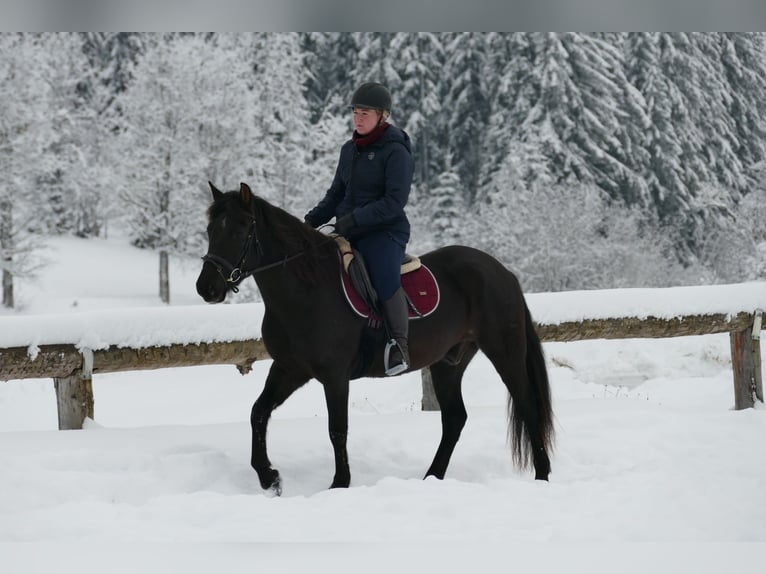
(210, 285)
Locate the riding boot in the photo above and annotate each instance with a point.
(396, 358)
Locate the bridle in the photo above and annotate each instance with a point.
(234, 274)
(237, 273)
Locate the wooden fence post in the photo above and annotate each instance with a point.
(74, 394)
(745, 352)
(429, 402)
(757, 354)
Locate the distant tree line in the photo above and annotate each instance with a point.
(579, 160)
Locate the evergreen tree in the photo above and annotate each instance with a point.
(316, 82)
(692, 142)
(624, 157)
(743, 57)
(664, 170)
(691, 76)
(632, 134)
(711, 100)
(510, 60)
(375, 62)
(577, 112)
(446, 207)
(112, 57)
(419, 57)
(466, 107)
(331, 60)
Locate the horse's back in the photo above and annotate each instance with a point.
(478, 285)
(471, 268)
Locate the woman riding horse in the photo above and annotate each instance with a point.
(311, 332)
(367, 198)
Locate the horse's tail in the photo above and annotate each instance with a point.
(531, 423)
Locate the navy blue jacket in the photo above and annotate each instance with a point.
(373, 184)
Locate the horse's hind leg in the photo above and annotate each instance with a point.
(525, 425)
(280, 384)
(447, 379)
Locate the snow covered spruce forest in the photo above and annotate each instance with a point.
(579, 160)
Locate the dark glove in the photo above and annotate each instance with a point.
(344, 224)
(308, 221)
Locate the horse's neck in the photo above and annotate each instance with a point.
(283, 284)
(281, 290)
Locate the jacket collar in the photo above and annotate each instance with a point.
(374, 135)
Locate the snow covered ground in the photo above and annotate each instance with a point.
(653, 469)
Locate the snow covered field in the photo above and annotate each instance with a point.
(652, 468)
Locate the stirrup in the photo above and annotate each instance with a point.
(396, 369)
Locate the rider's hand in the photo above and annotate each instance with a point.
(344, 224)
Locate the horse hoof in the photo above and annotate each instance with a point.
(340, 483)
(271, 481)
(276, 488)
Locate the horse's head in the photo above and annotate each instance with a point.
(231, 236)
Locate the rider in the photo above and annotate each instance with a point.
(367, 197)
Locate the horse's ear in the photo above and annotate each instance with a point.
(217, 193)
(245, 193)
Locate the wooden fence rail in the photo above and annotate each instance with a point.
(744, 332)
(72, 369)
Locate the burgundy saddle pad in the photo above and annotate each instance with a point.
(420, 286)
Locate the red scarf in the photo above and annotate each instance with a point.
(363, 141)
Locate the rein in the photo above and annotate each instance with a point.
(236, 272)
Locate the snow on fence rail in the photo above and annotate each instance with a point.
(71, 347)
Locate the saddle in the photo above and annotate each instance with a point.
(419, 285)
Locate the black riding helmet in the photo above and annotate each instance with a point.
(372, 95)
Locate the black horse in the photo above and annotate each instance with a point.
(311, 332)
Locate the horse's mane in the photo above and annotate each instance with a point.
(287, 235)
(319, 259)
(288, 230)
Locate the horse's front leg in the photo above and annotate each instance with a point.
(336, 396)
(280, 384)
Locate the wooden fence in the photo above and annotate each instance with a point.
(72, 369)
(744, 332)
